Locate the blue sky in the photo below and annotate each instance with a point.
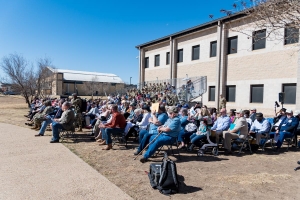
(92, 35)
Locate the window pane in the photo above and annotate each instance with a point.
(146, 62)
(257, 93)
(168, 58)
(232, 45)
(213, 49)
(259, 39)
(290, 93)
(180, 55)
(196, 52)
(291, 35)
(230, 93)
(211, 94)
(156, 61)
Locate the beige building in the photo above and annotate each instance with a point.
(249, 73)
(66, 82)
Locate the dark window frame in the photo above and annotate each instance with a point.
(213, 53)
(230, 49)
(288, 96)
(259, 42)
(252, 98)
(167, 58)
(288, 39)
(228, 93)
(146, 62)
(157, 60)
(211, 95)
(195, 55)
(178, 56)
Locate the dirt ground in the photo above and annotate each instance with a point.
(263, 175)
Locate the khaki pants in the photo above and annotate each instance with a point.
(227, 139)
(96, 128)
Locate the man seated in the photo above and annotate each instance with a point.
(278, 119)
(240, 130)
(65, 122)
(49, 117)
(40, 117)
(116, 126)
(260, 127)
(222, 124)
(157, 119)
(169, 133)
(285, 129)
(91, 115)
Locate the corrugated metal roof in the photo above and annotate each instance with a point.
(72, 75)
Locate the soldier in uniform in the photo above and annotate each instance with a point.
(77, 103)
(40, 117)
(222, 102)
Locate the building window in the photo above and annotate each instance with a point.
(232, 45)
(211, 93)
(291, 35)
(180, 55)
(156, 60)
(259, 39)
(196, 52)
(257, 94)
(289, 93)
(168, 58)
(213, 49)
(230, 93)
(147, 62)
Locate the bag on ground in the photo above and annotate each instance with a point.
(164, 177)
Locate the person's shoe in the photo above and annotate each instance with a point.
(191, 148)
(99, 140)
(136, 153)
(143, 160)
(98, 137)
(108, 147)
(103, 143)
(181, 147)
(34, 127)
(26, 116)
(37, 135)
(54, 141)
(88, 127)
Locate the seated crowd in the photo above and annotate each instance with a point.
(132, 116)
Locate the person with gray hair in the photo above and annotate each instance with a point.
(65, 122)
(240, 130)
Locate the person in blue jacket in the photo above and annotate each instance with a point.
(285, 129)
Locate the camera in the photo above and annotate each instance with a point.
(276, 104)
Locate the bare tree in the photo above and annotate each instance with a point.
(272, 15)
(44, 77)
(20, 75)
(91, 86)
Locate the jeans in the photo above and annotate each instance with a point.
(146, 139)
(141, 135)
(109, 131)
(160, 141)
(282, 136)
(55, 127)
(184, 136)
(44, 126)
(195, 139)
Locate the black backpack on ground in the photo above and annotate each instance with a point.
(163, 176)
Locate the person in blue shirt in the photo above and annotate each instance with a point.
(157, 119)
(285, 129)
(222, 124)
(259, 127)
(169, 132)
(184, 121)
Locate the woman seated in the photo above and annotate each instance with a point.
(132, 127)
(199, 135)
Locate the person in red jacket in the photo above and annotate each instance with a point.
(116, 126)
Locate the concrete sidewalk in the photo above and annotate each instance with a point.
(32, 168)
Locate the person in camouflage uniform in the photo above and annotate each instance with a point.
(77, 102)
(222, 102)
(39, 117)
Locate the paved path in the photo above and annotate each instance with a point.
(32, 168)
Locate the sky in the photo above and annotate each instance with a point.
(95, 35)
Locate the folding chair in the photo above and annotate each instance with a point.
(118, 137)
(173, 142)
(70, 133)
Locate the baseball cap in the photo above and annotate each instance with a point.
(288, 111)
(172, 109)
(239, 111)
